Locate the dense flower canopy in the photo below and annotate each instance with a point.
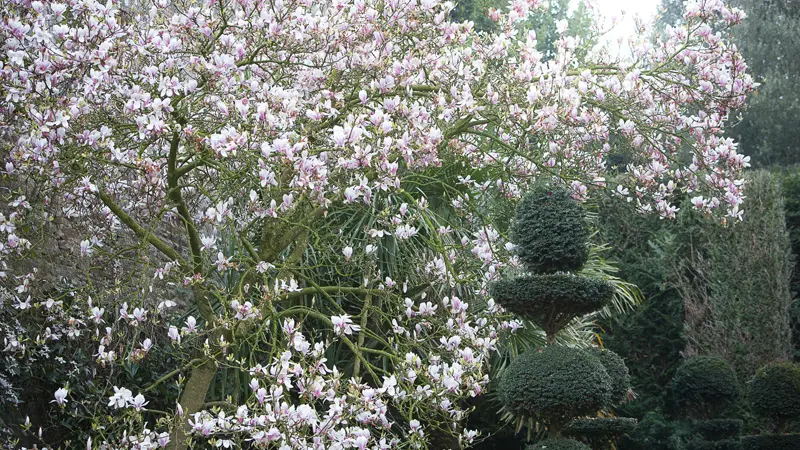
(252, 127)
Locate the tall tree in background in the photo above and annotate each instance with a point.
(769, 41)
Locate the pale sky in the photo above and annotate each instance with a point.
(625, 11)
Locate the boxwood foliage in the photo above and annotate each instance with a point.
(558, 444)
(551, 301)
(774, 392)
(616, 369)
(702, 444)
(705, 386)
(555, 383)
(771, 442)
(601, 427)
(550, 230)
(717, 429)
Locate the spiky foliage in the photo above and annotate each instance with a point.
(555, 383)
(550, 230)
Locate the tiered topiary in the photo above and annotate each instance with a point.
(705, 387)
(556, 384)
(774, 395)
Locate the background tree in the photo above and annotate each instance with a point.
(769, 41)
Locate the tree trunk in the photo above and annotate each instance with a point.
(192, 400)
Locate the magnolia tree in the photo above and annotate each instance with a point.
(238, 175)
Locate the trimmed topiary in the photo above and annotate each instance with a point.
(771, 442)
(551, 301)
(550, 230)
(600, 433)
(558, 444)
(717, 429)
(774, 392)
(705, 386)
(555, 383)
(702, 444)
(601, 427)
(616, 369)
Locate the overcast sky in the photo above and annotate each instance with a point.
(625, 11)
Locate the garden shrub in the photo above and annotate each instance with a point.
(655, 432)
(558, 444)
(704, 386)
(550, 230)
(551, 301)
(616, 369)
(771, 442)
(702, 444)
(774, 392)
(600, 432)
(717, 429)
(601, 427)
(555, 382)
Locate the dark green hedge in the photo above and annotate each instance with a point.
(705, 385)
(774, 391)
(555, 382)
(717, 429)
(551, 301)
(702, 444)
(601, 426)
(558, 444)
(550, 230)
(771, 442)
(616, 369)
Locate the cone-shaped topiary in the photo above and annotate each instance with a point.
(774, 393)
(550, 230)
(555, 383)
(616, 369)
(705, 386)
(551, 301)
(558, 444)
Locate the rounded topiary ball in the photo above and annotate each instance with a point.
(616, 369)
(555, 383)
(705, 386)
(549, 230)
(558, 444)
(774, 392)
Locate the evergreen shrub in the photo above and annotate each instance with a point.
(558, 444)
(774, 392)
(556, 383)
(550, 230)
(771, 442)
(705, 385)
(616, 369)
